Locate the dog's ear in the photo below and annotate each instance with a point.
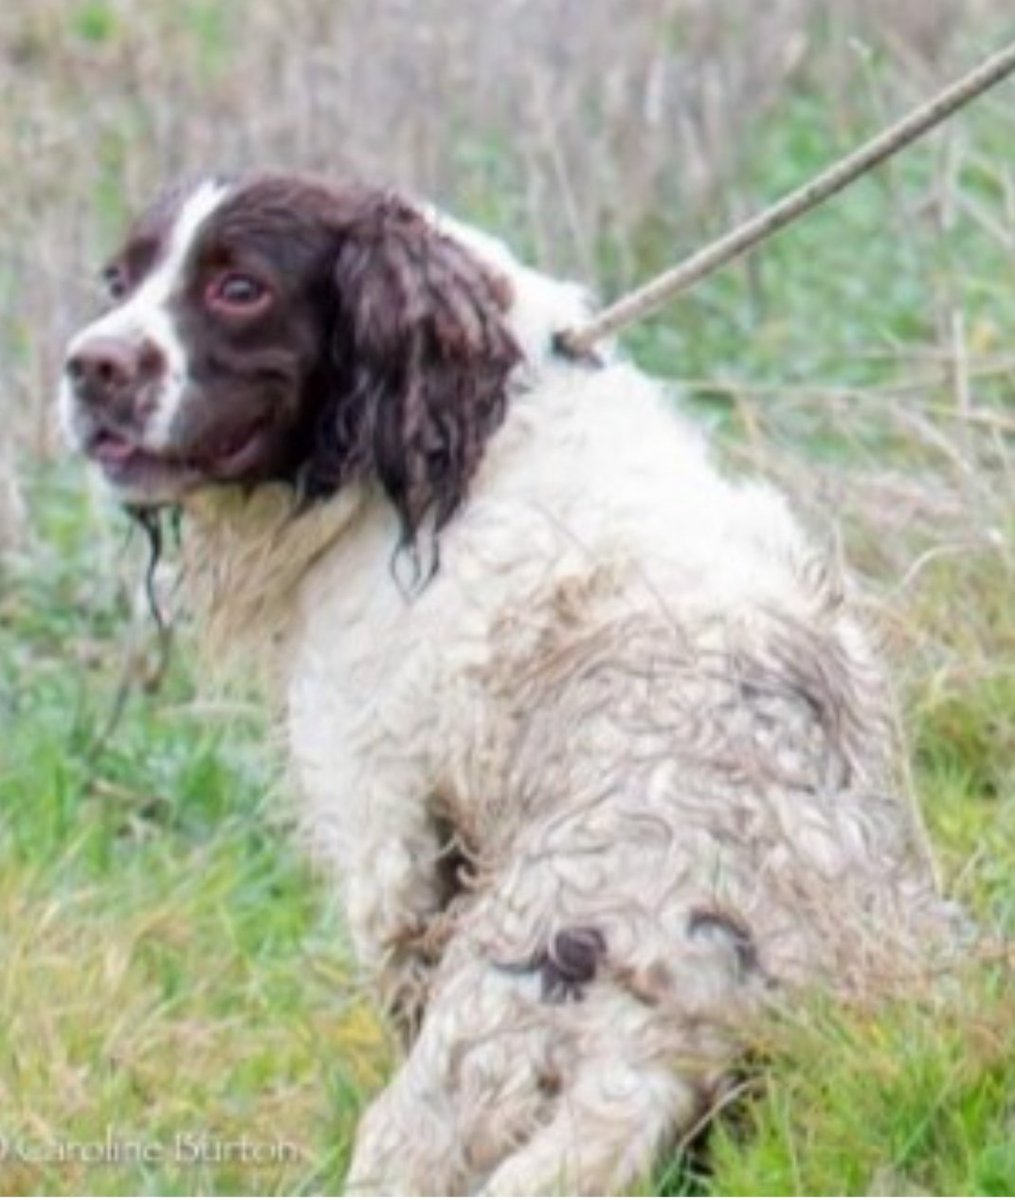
(420, 355)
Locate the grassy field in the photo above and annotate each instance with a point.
(172, 979)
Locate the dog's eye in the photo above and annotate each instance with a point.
(238, 293)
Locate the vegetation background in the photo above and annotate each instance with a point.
(167, 964)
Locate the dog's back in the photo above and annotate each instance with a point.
(660, 746)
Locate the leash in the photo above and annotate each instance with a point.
(578, 343)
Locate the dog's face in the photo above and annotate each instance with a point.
(278, 329)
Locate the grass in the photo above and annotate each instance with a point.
(169, 967)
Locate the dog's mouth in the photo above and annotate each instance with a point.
(130, 465)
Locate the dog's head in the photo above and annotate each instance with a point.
(280, 329)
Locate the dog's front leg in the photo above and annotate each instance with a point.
(370, 818)
(393, 894)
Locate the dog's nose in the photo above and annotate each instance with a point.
(103, 366)
(109, 373)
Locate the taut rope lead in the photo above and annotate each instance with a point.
(578, 343)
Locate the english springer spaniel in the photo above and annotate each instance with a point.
(591, 738)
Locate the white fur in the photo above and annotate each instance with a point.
(640, 701)
(146, 317)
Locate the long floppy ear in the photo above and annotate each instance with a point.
(420, 356)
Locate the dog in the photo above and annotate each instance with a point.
(591, 738)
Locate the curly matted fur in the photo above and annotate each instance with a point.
(613, 775)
